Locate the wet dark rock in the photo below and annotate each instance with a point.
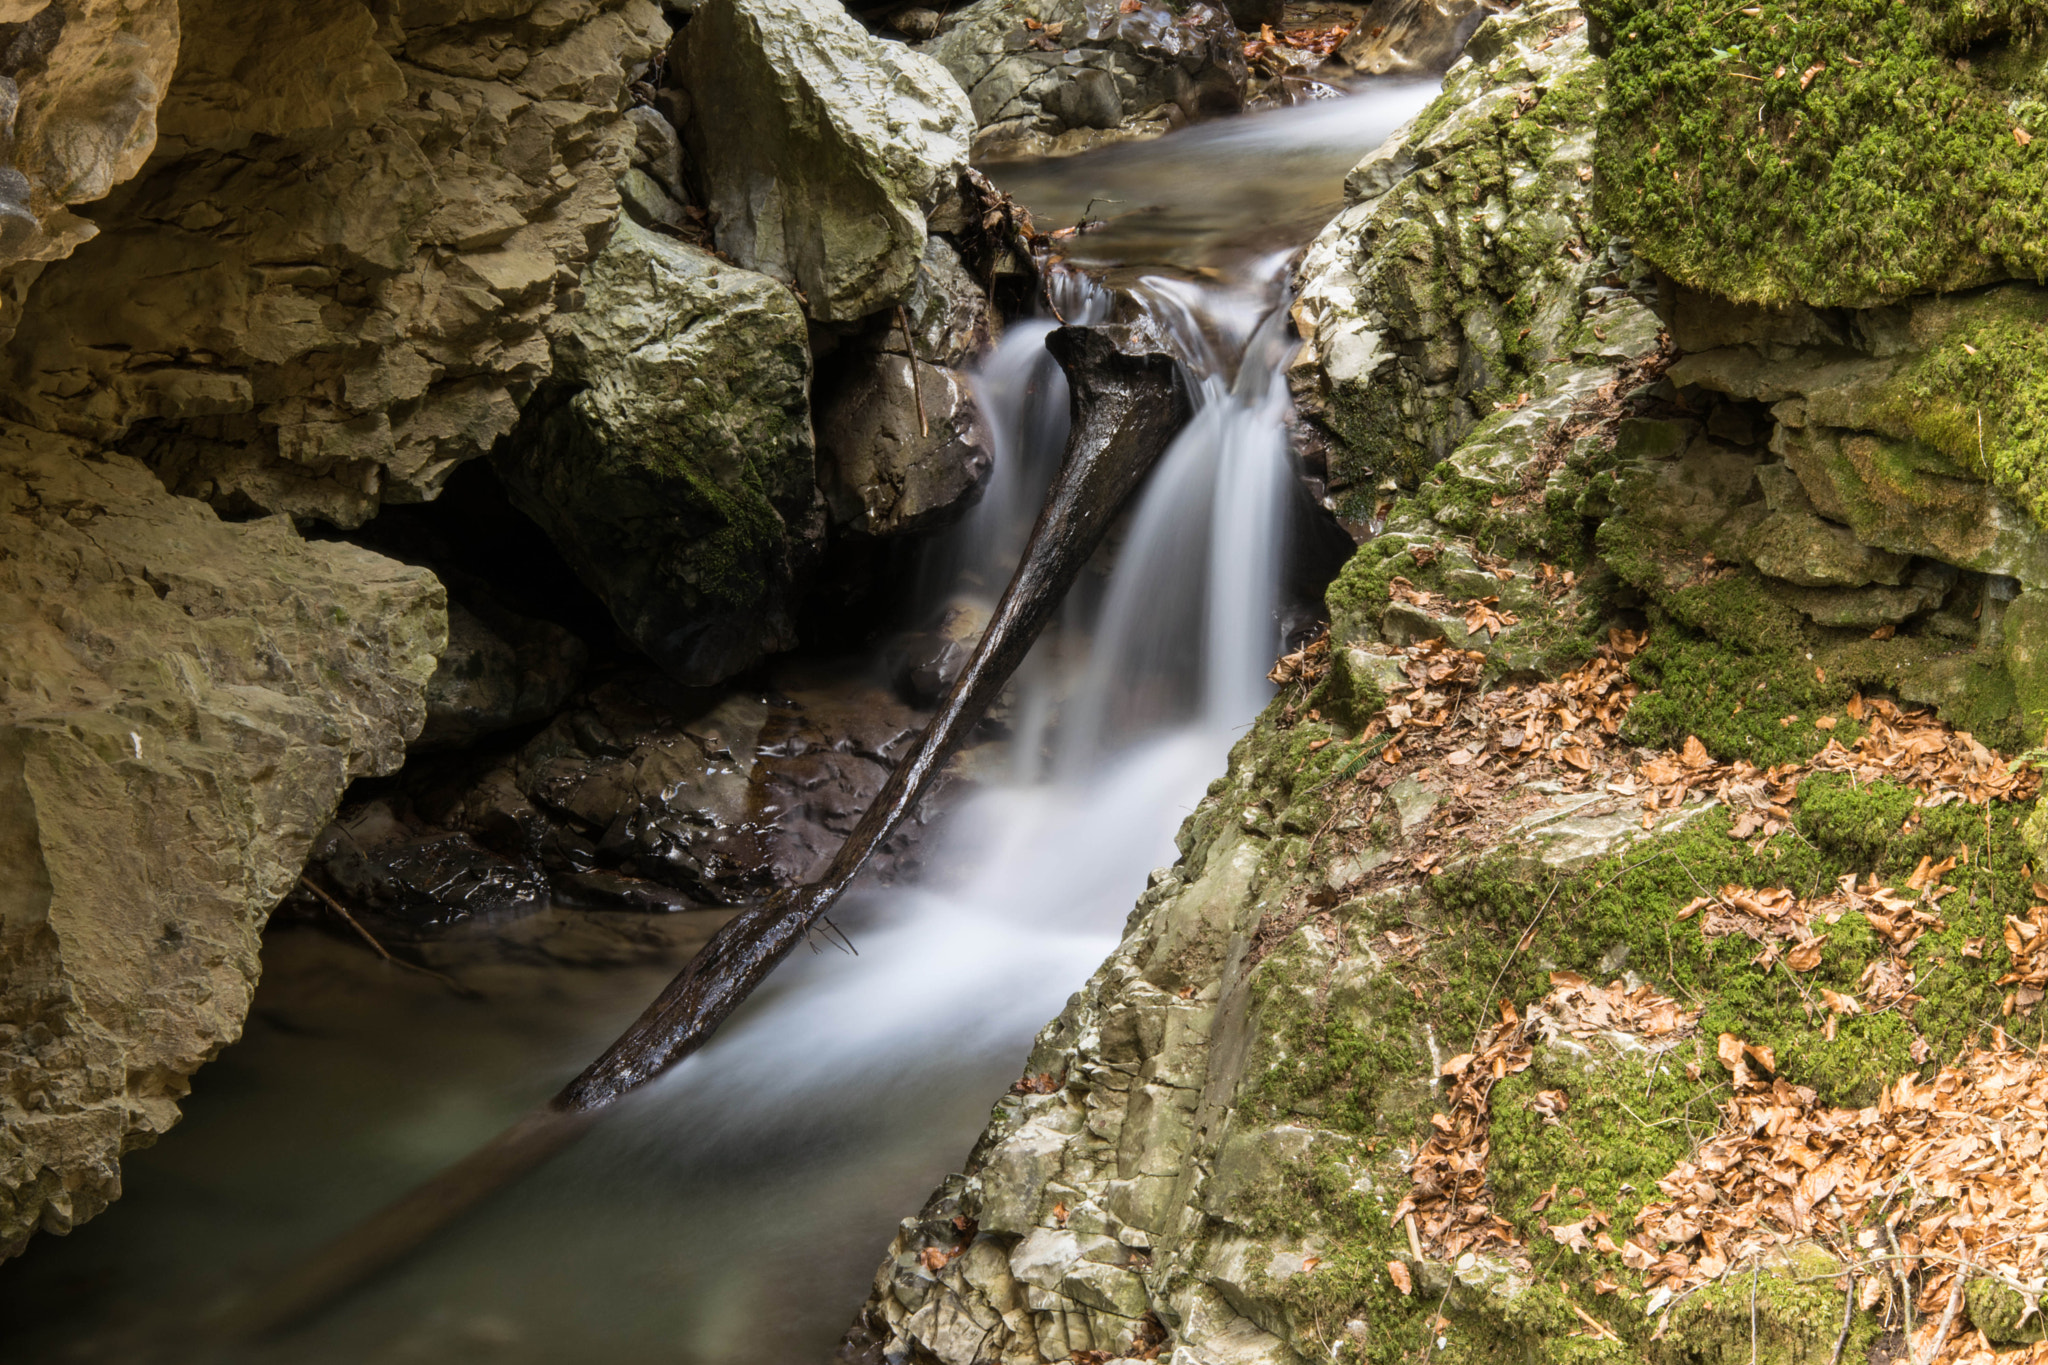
(916, 23)
(374, 862)
(642, 795)
(893, 459)
(1090, 72)
(924, 663)
(500, 670)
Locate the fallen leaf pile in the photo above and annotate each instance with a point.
(1784, 925)
(1278, 50)
(2027, 941)
(1911, 748)
(1577, 1007)
(1936, 1180)
(1449, 1202)
(1915, 749)
(1306, 665)
(1556, 717)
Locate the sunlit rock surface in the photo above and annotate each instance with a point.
(824, 151)
(327, 288)
(182, 701)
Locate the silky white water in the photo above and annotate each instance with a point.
(735, 1211)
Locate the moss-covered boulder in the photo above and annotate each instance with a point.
(1829, 152)
(1456, 282)
(672, 459)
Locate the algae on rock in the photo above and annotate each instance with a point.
(1452, 284)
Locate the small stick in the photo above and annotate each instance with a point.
(917, 390)
(1752, 1312)
(1848, 1320)
(1414, 1241)
(1948, 1317)
(338, 908)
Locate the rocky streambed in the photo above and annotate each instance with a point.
(505, 481)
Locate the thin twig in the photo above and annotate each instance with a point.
(1429, 1341)
(917, 390)
(1899, 1278)
(1848, 1321)
(1948, 1319)
(338, 908)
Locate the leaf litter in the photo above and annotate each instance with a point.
(1939, 1179)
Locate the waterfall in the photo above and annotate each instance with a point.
(733, 1212)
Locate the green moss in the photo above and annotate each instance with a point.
(1624, 1127)
(1786, 1312)
(1979, 394)
(1733, 700)
(1359, 594)
(1629, 908)
(1832, 152)
(1346, 1057)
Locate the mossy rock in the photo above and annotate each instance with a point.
(2001, 1314)
(1832, 152)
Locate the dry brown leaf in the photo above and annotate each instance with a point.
(1398, 1273)
(1728, 1050)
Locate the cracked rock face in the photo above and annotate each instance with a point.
(1091, 72)
(182, 701)
(1414, 298)
(328, 286)
(824, 151)
(80, 83)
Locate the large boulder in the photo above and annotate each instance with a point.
(823, 150)
(1450, 288)
(182, 702)
(327, 287)
(1059, 76)
(672, 459)
(902, 446)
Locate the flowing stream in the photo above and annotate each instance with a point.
(735, 1212)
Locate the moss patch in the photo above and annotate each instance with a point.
(1978, 394)
(1832, 152)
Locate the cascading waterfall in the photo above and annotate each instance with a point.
(733, 1212)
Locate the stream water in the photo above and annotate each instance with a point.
(735, 1212)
